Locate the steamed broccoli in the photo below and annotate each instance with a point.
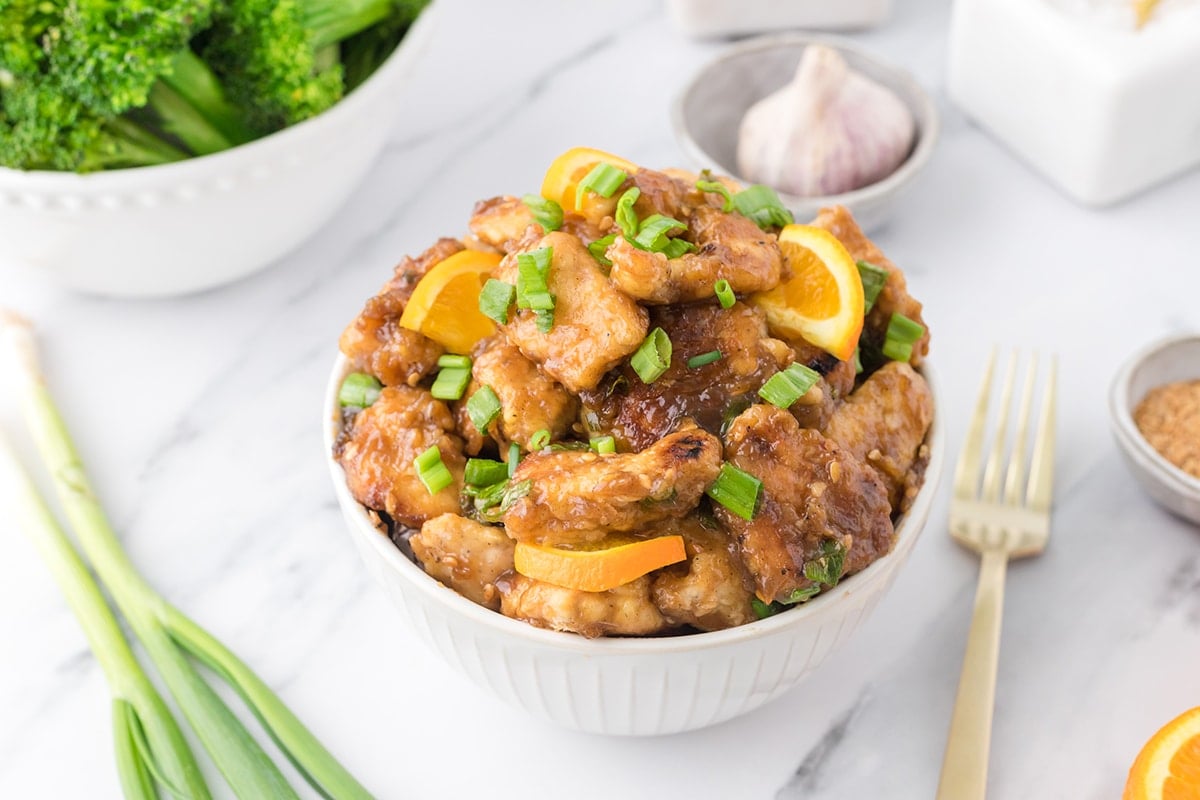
(101, 84)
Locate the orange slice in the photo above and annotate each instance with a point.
(1168, 768)
(445, 304)
(597, 570)
(823, 301)
(564, 175)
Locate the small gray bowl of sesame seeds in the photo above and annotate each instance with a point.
(1155, 406)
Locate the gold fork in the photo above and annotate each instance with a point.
(999, 517)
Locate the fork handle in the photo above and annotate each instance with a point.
(965, 766)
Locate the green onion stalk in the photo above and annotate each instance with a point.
(150, 748)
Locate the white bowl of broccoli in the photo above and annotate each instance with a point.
(149, 153)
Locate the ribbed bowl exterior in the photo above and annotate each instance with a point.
(618, 686)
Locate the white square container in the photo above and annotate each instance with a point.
(1101, 109)
(705, 18)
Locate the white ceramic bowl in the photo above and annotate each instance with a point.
(625, 686)
(1166, 361)
(195, 224)
(707, 115)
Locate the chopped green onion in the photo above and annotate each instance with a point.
(448, 360)
(545, 320)
(873, 279)
(483, 408)
(786, 387)
(604, 179)
(539, 440)
(902, 334)
(600, 246)
(653, 357)
(451, 383)
(827, 569)
(359, 390)
(625, 216)
(653, 230)
(493, 500)
(716, 187)
(724, 293)
(801, 595)
(546, 213)
(761, 205)
(532, 271)
(763, 610)
(514, 458)
(858, 367)
(603, 444)
(485, 472)
(495, 298)
(677, 247)
(539, 301)
(736, 490)
(703, 359)
(431, 471)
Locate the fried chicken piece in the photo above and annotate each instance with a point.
(465, 555)
(729, 246)
(893, 298)
(711, 590)
(375, 342)
(530, 401)
(577, 497)
(501, 222)
(595, 325)
(813, 492)
(624, 611)
(638, 414)
(378, 454)
(883, 423)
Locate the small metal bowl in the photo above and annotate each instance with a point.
(1165, 361)
(708, 114)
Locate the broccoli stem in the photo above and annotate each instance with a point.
(191, 106)
(331, 21)
(136, 146)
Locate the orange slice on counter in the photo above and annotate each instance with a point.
(823, 300)
(445, 304)
(597, 570)
(1168, 768)
(564, 175)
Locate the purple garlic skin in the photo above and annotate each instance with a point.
(831, 130)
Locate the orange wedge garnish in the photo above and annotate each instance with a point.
(823, 300)
(1168, 768)
(597, 570)
(563, 177)
(445, 304)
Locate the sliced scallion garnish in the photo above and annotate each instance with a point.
(603, 179)
(539, 440)
(514, 458)
(484, 472)
(674, 248)
(432, 471)
(703, 359)
(483, 408)
(603, 444)
(858, 367)
(599, 247)
(450, 360)
(789, 385)
(653, 357)
(902, 334)
(873, 280)
(533, 270)
(763, 610)
(625, 216)
(495, 298)
(724, 293)
(761, 205)
(359, 390)
(451, 382)
(827, 568)
(546, 213)
(653, 230)
(736, 490)
(716, 187)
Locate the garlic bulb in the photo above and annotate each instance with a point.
(829, 131)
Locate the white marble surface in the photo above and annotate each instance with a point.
(199, 418)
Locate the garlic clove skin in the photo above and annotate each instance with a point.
(831, 130)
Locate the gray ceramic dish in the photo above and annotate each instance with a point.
(706, 116)
(1165, 361)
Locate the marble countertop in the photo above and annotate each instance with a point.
(200, 420)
